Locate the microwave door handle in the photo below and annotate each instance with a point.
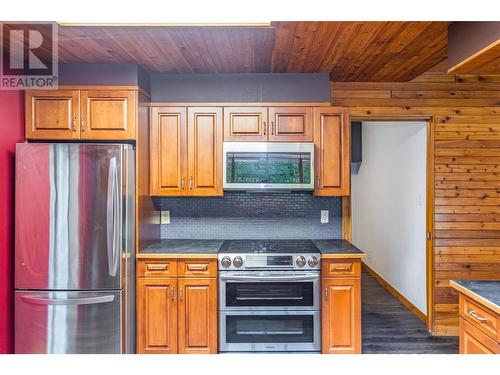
(39, 300)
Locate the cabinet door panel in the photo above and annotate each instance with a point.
(205, 151)
(473, 341)
(341, 316)
(291, 124)
(168, 151)
(108, 114)
(245, 124)
(198, 316)
(157, 316)
(332, 151)
(52, 114)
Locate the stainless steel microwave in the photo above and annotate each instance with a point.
(268, 166)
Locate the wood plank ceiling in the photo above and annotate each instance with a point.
(349, 51)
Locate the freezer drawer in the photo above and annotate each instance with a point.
(69, 322)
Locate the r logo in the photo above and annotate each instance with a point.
(29, 54)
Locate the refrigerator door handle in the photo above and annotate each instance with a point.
(111, 220)
(40, 300)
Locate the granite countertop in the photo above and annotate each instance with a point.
(482, 291)
(338, 248)
(183, 247)
(327, 248)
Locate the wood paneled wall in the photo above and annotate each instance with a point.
(466, 115)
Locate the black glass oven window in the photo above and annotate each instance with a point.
(269, 328)
(269, 294)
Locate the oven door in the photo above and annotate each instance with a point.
(265, 331)
(269, 290)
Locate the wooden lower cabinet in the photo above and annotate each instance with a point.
(197, 316)
(177, 315)
(157, 316)
(473, 341)
(341, 314)
(479, 327)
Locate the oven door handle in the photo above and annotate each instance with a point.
(307, 277)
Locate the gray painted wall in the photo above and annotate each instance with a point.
(235, 88)
(103, 75)
(240, 215)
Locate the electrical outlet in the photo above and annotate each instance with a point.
(324, 216)
(165, 217)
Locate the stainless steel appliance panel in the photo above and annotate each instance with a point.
(69, 322)
(269, 290)
(268, 166)
(269, 331)
(71, 221)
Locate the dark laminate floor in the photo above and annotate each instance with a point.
(388, 327)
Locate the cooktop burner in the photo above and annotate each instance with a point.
(268, 246)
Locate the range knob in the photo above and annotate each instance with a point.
(312, 261)
(300, 261)
(225, 262)
(237, 262)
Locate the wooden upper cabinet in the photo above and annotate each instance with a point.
(332, 151)
(157, 316)
(168, 151)
(108, 114)
(52, 114)
(205, 151)
(341, 316)
(245, 124)
(198, 316)
(81, 114)
(294, 124)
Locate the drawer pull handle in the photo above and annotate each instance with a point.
(157, 267)
(181, 298)
(192, 267)
(475, 316)
(326, 294)
(172, 293)
(341, 268)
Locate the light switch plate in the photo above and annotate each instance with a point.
(324, 216)
(165, 217)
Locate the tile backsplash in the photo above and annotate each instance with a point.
(241, 215)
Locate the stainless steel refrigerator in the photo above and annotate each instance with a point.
(75, 248)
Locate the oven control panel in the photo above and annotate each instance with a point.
(269, 261)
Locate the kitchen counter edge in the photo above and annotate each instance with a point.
(475, 296)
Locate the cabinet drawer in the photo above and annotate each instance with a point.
(156, 268)
(479, 316)
(340, 268)
(474, 341)
(197, 268)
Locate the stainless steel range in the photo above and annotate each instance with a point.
(269, 293)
